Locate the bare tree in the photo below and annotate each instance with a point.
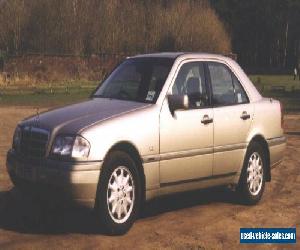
(83, 27)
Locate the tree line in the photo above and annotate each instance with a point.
(265, 33)
(85, 27)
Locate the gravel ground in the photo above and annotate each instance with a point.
(209, 219)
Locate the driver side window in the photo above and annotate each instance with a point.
(190, 81)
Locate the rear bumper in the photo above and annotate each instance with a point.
(76, 181)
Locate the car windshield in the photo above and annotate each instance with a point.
(136, 79)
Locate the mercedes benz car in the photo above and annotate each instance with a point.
(158, 124)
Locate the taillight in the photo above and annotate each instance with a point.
(281, 113)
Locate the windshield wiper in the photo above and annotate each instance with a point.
(108, 97)
(117, 97)
(99, 96)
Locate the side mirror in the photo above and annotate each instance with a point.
(177, 102)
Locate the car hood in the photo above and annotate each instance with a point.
(74, 118)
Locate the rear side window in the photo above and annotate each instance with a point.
(221, 82)
(226, 89)
(240, 94)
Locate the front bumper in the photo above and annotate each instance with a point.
(76, 181)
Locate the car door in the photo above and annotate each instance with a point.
(186, 138)
(232, 118)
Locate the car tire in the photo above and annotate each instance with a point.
(119, 193)
(252, 180)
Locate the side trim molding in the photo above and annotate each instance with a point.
(276, 141)
(198, 179)
(230, 147)
(188, 153)
(193, 152)
(179, 154)
(204, 151)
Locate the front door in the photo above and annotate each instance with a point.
(186, 138)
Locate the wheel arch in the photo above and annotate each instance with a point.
(263, 142)
(131, 150)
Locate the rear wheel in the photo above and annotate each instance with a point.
(119, 193)
(252, 181)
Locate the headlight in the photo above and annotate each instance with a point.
(17, 138)
(63, 145)
(81, 148)
(73, 146)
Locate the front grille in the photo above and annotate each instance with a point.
(33, 143)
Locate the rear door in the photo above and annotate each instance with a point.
(232, 118)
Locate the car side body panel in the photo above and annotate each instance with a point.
(138, 128)
(267, 123)
(185, 154)
(177, 153)
(230, 133)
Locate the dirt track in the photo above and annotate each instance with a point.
(198, 220)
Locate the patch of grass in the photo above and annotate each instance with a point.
(266, 82)
(42, 99)
(45, 95)
(61, 93)
(281, 87)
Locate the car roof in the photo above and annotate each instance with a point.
(174, 55)
(181, 56)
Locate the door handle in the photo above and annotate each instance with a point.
(206, 119)
(245, 116)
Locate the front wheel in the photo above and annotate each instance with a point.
(119, 193)
(252, 181)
